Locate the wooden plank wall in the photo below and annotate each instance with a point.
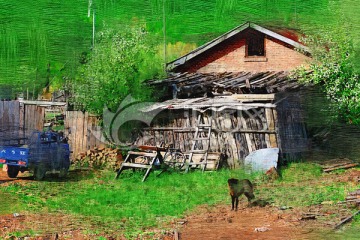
(81, 126)
(9, 120)
(34, 117)
(234, 133)
(18, 121)
(292, 126)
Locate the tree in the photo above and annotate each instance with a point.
(333, 69)
(120, 61)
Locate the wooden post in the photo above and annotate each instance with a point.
(247, 135)
(270, 117)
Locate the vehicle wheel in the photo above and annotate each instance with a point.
(175, 160)
(39, 172)
(13, 171)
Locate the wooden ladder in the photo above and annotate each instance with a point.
(201, 127)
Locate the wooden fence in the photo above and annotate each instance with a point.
(10, 125)
(34, 117)
(82, 130)
(18, 121)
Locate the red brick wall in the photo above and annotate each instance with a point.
(231, 58)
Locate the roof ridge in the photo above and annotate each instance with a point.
(182, 60)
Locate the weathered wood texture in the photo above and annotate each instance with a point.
(34, 118)
(83, 132)
(337, 163)
(235, 133)
(10, 127)
(196, 84)
(18, 122)
(292, 125)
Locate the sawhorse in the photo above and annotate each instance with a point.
(155, 162)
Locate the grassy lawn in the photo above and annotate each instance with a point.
(129, 206)
(98, 197)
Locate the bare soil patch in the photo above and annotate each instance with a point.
(22, 178)
(249, 223)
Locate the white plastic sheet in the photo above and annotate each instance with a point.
(262, 160)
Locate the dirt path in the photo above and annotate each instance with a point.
(22, 177)
(215, 223)
(247, 223)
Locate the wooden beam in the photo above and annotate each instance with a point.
(146, 154)
(192, 129)
(254, 97)
(42, 103)
(136, 165)
(348, 219)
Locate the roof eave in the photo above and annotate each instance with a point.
(206, 46)
(280, 37)
(229, 34)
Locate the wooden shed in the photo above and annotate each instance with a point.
(239, 83)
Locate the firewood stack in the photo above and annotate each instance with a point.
(354, 198)
(101, 157)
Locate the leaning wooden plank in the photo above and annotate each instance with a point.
(247, 135)
(176, 235)
(146, 174)
(348, 219)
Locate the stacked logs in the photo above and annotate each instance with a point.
(101, 157)
(337, 163)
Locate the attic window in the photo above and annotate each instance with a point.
(255, 45)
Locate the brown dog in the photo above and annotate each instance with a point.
(237, 188)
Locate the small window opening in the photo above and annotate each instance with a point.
(255, 45)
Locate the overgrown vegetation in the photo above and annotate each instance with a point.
(122, 58)
(128, 206)
(333, 68)
(302, 185)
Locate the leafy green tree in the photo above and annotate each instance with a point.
(333, 69)
(120, 61)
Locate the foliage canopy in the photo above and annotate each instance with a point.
(333, 69)
(120, 61)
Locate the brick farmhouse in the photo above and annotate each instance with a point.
(240, 83)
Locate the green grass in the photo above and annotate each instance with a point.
(129, 206)
(302, 184)
(297, 172)
(126, 204)
(9, 203)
